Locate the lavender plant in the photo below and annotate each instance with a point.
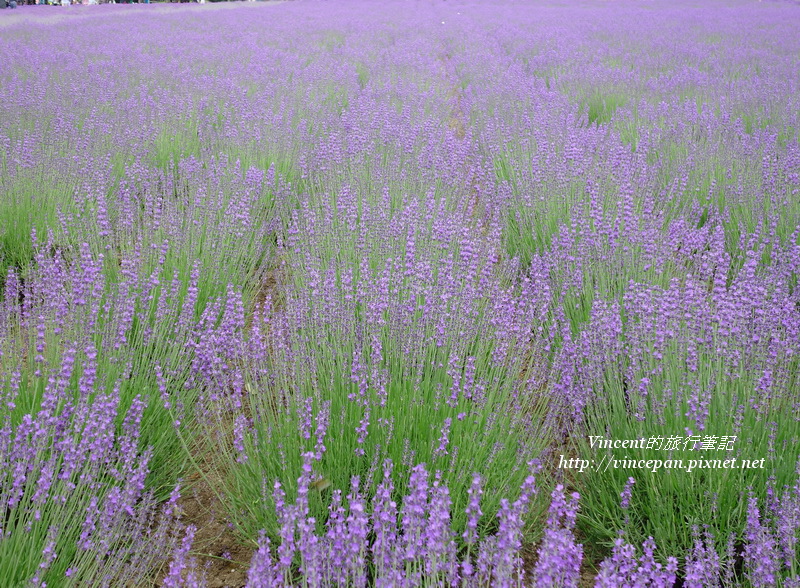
(704, 391)
(422, 369)
(413, 546)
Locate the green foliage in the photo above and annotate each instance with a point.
(600, 107)
(668, 501)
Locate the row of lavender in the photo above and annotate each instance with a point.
(408, 242)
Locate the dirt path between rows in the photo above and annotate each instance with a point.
(220, 553)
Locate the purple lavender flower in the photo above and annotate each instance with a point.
(559, 556)
(474, 512)
(703, 563)
(176, 575)
(413, 513)
(624, 568)
(262, 567)
(762, 559)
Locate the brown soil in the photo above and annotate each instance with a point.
(220, 553)
(222, 556)
(588, 575)
(270, 289)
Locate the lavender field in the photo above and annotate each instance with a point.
(415, 293)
